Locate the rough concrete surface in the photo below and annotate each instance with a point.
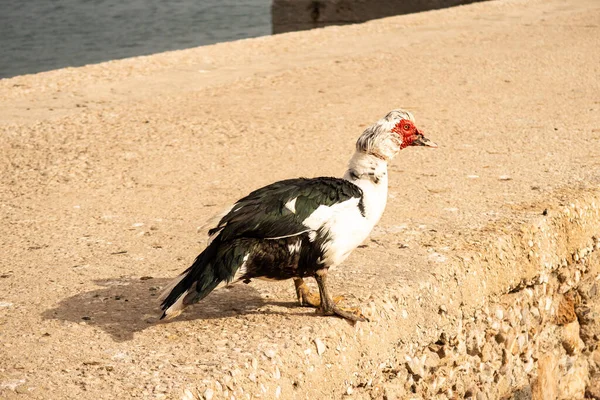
(480, 280)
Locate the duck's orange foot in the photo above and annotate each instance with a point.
(351, 314)
(306, 298)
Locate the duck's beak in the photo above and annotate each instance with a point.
(423, 141)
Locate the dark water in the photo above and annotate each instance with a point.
(40, 35)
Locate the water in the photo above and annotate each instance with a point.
(41, 35)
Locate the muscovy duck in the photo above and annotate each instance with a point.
(301, 227)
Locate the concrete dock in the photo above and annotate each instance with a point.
(479, 281)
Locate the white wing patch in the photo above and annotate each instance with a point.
(323, 213)
(291, 205)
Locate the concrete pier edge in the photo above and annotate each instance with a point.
(498, 303)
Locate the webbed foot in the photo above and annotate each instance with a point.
(329, 306)
(351, 314)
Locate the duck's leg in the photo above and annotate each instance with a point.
(306, 298)
(329, 307)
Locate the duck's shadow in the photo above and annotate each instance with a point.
(125, 306)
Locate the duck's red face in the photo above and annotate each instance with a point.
(410, 135)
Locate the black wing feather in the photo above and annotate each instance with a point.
(263, 214)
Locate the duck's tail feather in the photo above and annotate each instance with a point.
(194, 284)
(217, 264)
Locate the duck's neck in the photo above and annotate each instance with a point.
(370, 174)
(366, 167)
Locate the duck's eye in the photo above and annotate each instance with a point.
(406, 127)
